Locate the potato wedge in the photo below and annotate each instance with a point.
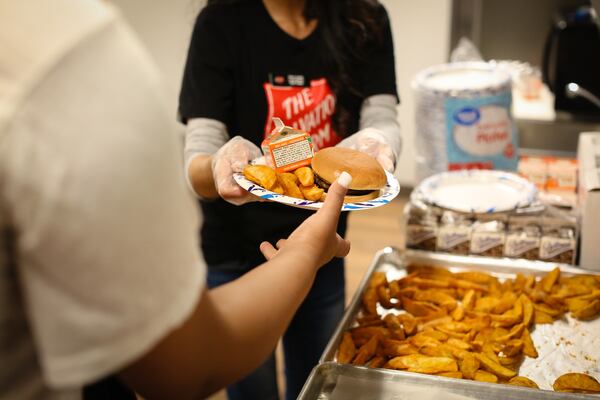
(459, 327)
(515, 332)
(469, 299)
(441, 336)
(347, 349)
(495, 368)
(395, 348)
(486, 304)
(507, 302)
(504, 320)
(528, 346)
(436, 350)
(394, 290)
(453, 374)
(461, 344)
(458, 313)
(289, 183)
(383, 294)
(418, 308)
(377, 279)
(511, 362)
(550, 279)
(476, 277)
(484, 376)
(542, 318)
(572, 290)
(377, 362)
(553, 312)
(527, 309)
(424, 364)
(312, 193)
(425, 283)
(590, 310)
(463, 284)
(369, 331)
(522, 381)
(366, 351)
(419, 340)
(262, 175)
(278, 189)
(409, 323)
(436, 297)
(392, 322)
(305, 175)
(512, 348)
(369, 300)
(576, 383)
(469, 365)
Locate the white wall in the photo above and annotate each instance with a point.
(421, 30)
(164, 27)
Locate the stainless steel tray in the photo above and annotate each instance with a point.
(565, 346)
(333, 381)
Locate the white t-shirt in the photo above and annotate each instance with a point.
(99, 257)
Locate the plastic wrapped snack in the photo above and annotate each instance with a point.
(454, 233)
(487, 238)
(421, 228)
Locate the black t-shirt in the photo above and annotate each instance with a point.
(242, 69)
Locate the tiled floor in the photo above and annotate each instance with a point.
(369, 231)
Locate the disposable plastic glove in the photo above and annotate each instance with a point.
(232, 157)
(372, 142)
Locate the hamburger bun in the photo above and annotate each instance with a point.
(368, 177)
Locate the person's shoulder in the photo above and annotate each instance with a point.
(226, 11)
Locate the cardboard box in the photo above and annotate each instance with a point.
(588, 155)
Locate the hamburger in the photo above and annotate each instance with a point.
(368, 177)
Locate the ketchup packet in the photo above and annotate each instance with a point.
(286, 148)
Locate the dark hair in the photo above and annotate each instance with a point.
(349, 28)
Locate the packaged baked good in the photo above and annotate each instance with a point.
(421, 227)
(558, 244)
(488, 237)
(523, 241)
(559, 236)
(454, 233)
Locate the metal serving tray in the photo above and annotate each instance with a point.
(333, 381)
(565, 346)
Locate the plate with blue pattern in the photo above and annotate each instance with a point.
(476, 191)
(387, 194)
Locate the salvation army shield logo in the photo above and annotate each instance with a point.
(308, 108)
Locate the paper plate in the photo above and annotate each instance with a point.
(391, 190)
(476, 191)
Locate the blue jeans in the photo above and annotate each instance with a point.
(304, 340)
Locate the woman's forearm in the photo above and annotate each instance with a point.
(203, 137)
(201, 177)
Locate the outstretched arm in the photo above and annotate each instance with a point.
(236, 326)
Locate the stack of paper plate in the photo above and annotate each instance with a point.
(476, 191)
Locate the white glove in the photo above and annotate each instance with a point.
(372, 142)
(232, 157)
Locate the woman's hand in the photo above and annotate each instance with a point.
(370, 141)
(233, 157)
(316, 238)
